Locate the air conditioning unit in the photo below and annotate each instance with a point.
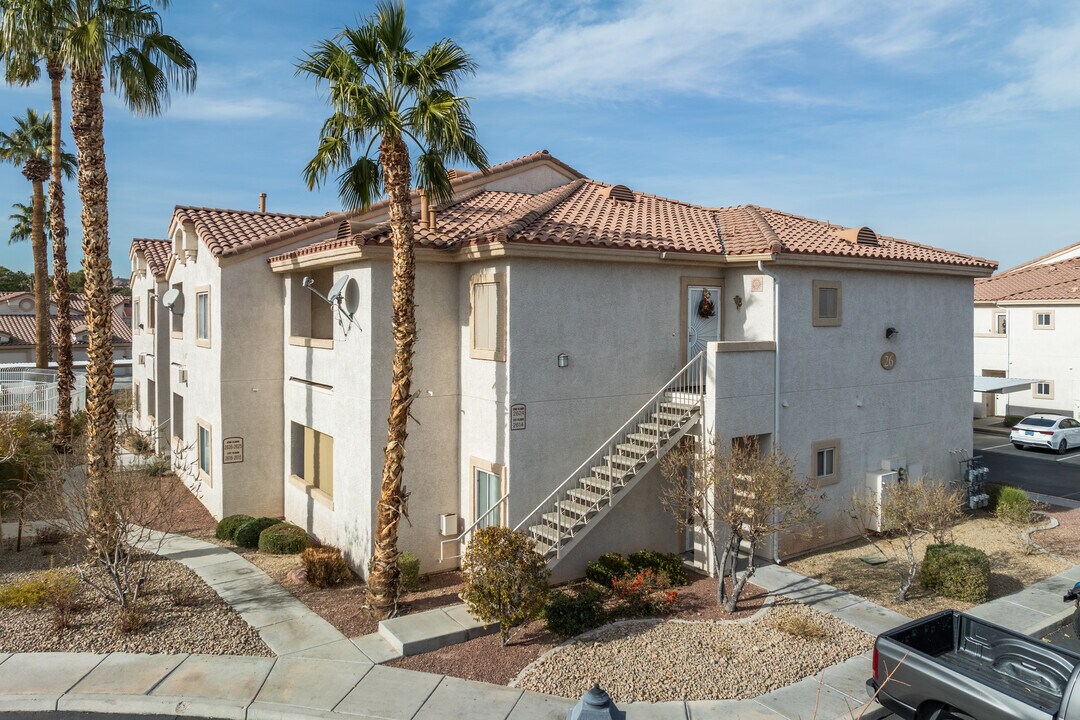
(878, 483)
(181, 375)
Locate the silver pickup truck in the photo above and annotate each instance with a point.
(950, 666)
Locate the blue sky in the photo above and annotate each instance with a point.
(947, 122)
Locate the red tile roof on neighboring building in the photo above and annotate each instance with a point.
(155, 252)
(586, 213)
(21, 329)
(1057, 281)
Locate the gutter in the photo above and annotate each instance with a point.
(776, 384)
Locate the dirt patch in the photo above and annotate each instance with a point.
(1064, 540)
(484, 659)
(185, 615)
(186, 514)
(1014, 565)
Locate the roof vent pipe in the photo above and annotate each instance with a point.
(423, 208)
(262, 202)
(431, 218)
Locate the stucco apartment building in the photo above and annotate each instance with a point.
(1027, 325)
(571, 332)
(18, 335)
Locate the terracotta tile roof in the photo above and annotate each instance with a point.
(5, 296)
(229, 232)
(1051, 281)
(22, 332)
(581, 213)
(156, 253)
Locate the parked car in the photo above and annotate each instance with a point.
(951, 666)
(1055, 432)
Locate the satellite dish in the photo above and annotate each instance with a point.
(173, 299)
(308, 282)
(338, 291)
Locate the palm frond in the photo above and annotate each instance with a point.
(360, 184)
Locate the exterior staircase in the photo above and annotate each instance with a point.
(589, 493)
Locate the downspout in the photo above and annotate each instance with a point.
(776, 385)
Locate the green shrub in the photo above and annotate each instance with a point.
(283, 539)
(49, 587)
(247, 535)
(325, 566)
(606, 568)
(409, 565)
(643, 592)
(1013, 505)
(668, 564)
(569, 614)
(505, 578)
(228, 525)
(956, 571)
(78, 424)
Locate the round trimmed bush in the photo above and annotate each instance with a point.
(283, 539)
(247, 535)
(409, 566)
(325, 566)
(228, 525)
(570, 614)
(606, 568)
(668, 564)
(960, 572)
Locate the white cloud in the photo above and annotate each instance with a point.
(641, 47)
(1043, 67)
(200, 106)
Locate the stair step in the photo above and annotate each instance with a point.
(567, 523)
(669, 418)
(643, 439)
(546, 533)
(653, 428)
(569, 507)
(682, 407)
(633, 449)
(613, 473)
(586, 496)
(625, 461)
(601, 484)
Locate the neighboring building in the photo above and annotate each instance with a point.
(18, 332)
(1027, 325)
(551, 308)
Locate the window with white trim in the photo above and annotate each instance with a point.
(151, 399)
(1000, 324)
(1044, 319)
(177, 312)
(136, 315)
(825, 456)
(827, 303)
(313, 458)
(202, 318)
(1043, 390)
(178, 417)
(487, 331)
(204, 450)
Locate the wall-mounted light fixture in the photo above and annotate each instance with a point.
(738, 301)
(564, 360)
(890, 333)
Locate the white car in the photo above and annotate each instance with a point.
(1055, 432)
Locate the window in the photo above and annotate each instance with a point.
(313, 459)
(487, 317)
(178, 417)
(136, 315)
(204, 449)
(826, 458)
(151, 399)
(177, 312)
(488, 480)
(1044, 319)
(827, 303)
(151, 311)
(1000, 326)
(312, 317)
(1043, 390)
(202, 317)
(136, 399)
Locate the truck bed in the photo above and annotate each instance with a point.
(1032, 671)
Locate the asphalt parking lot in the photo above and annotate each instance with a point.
(1039, 471)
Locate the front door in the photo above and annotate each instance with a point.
(995, 402)
(702, 318)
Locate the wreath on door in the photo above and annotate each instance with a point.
(706, 307)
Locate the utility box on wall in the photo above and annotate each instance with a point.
(448, 525)
(878, 483)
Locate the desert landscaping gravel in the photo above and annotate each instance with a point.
(209, 626)
(656, 661)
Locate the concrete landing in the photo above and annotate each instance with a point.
(430, 630)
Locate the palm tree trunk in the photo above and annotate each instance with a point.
(384, 579)
(87, 125)
(65, 377)
(41, 277)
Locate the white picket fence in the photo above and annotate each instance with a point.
(36, 390)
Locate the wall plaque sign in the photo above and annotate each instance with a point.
(888, 360)
(517, 417)
(232, 450)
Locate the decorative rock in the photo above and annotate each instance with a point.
(297, 576)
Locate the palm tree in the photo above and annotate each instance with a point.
(30, 145)
(22, 222)
(387, 96)
(95, 39)
(32, 33)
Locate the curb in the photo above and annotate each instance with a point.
(1044, 627)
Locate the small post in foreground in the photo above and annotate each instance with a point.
(595, 704)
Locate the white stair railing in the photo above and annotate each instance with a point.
(463, 538)
(690, 380)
